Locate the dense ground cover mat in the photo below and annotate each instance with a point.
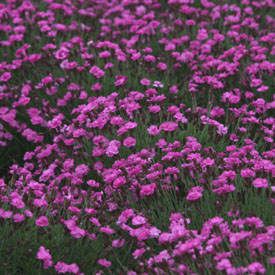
(137, 137)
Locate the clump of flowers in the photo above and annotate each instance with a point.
(145, 125)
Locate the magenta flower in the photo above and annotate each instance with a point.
(62, 268)
(5, 77)
(138, 220)
(96, 87)
(256, 268)
(138, 253)
(195, 193)
(44, 255)
(42, 221)
(113, 148)
(148, 189)
(145, 82)
(17, 218)
(260, 183)
(104, 263)
(168, 126)
(118, 182)
(247, 173)
(77, 232)
(62, 53)
(162, 66)
(120, 80)
(154, 109)
(153, 130)
(96, 72)
(129, 142)
(174, 89)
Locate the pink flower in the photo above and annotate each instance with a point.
(5, 214)
(138, 220)
(96, 87)
(129, 142)
(247, 173)
(62, 53)
(174, 89)
(118, 243)
(141, 233)
(118, 182)
(28, 213)
(256, 268)
(163, 256)
(145, 82)
(153, 130)
(96, 72)
(147, 190)
(42, 221)
(127, 126)
(154, 109)
(31, 135)
(120, 80)
(62, 267)
(138, 253)
(226, 188)
(17, 201)
(168, 126)
(272, 260)
(149, 58)
(117, 120)
(157, 84)
(107, 230)
(105, 54)
(44, 255)
(34, 57)
(224, 264)
(18, 218)
(104, 263)
(77, 232)
(136, 56)
(81, 170)
(222, 130)
(5, 77)
(93, 183)
(260, 183)
(162, 66)
(194, 193)
(113, 148)
(262, 88)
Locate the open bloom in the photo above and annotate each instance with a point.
(96, 72)
(120, 80)
(62, 267)
(168, 126)
(42, 221)
(260, 183)
(194, 193)
(44, 255)
(104, 263)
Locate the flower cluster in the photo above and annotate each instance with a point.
(144, 123)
